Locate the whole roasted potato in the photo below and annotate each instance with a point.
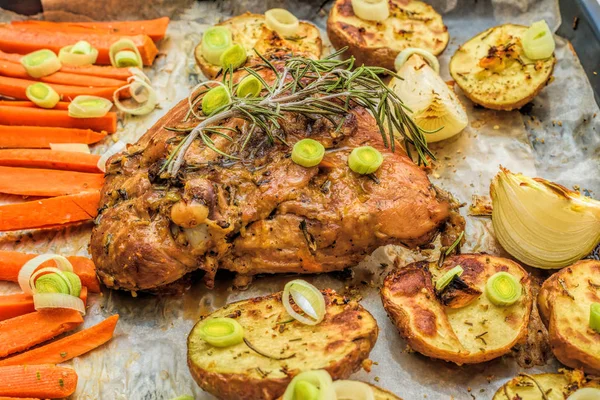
(458, 324)
(410, 24)
(493, 70)
(564, 302)
(277, 347)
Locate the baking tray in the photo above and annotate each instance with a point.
(554, 139)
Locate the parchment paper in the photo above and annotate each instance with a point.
(557, 138)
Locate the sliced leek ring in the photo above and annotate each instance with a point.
(371, 10)
(42, 95)
(41, 63)
(250, 86)
(131, 52)
(234, 57)
(89, 107)
(308, 298)
(79, 54)
(214, 43)
(58, 300)
(310, 383)
(503, 289)
(352, 390)
(308, 153)
(365, 160)
(405, 54)
(595, 317)
(215, 99)
(445, 279)
(282, 21)
(52, 283)
(221, 332)
(127, 58)
(538, 41)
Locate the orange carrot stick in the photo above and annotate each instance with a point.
(68, 347)
(49, 213)
(16, 70)
(16, 88)
(52, 159)
(13, 305)
(41, 137)
(56, 118)
(47, 182)
(17, 398)
(155, 28)
(12, 261)
(61, 105)
(42, 381)
(21, 333)
(22, 40)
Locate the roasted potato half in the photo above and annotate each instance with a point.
(410, 24)
(493, 71)
(250, 31)
(564, 302)
(458, 324)
(277, 348)
(554, 386)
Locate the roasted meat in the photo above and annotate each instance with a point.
(264, 214)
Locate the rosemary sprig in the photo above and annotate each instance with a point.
(325, 88)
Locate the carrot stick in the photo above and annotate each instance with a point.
(53, 159)
(45, 381)
(22, 40)
(25, 331)
(17, 398)
(16, 70)
(12, 261)
(61, 105)
(155, 28)
(16, 88)
(47, 182)
(56, 118)
(13, 305)
(49, 213)
(41, 137)
(68, 347)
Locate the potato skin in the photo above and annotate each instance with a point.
(369, 46)
(409, 298)
(563, 302)
(243, 386)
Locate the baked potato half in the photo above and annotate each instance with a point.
(339, 344)
(458, 324)
(251, 31)
(410, 24)
(555, 386)
(493, 70)
(564, 302)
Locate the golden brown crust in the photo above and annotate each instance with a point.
(474, 333)
(509, 80)
(250, 31)
(564, 301)
(339, 344)
(411, 24)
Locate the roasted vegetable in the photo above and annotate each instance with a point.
(493, 70)
(276, 347)
(471, 329)
(564, 302)
(377, 43)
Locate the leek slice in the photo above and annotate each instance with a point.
(215, 99)
(214, 43)
(503, 289)
(365, 160)
(352, 390)
(585, 394)
(234, 57)
(282, 21)
(89, 107)
(250, 86)
(595, 317)
(42, 95)
(143, 96)
(445, 279)
(538, 41)
(58, 300)
(130, 56)
(38, 273)
(30, 267)
(308, 153)
(308, 298)
(371, 10)
(112, 150)
(405, 54)
(52, 283)
(310, 383)
(79, 54)
(40, 63)
(74, 281)
(221, 332)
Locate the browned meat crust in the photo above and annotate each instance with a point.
(266, 215)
